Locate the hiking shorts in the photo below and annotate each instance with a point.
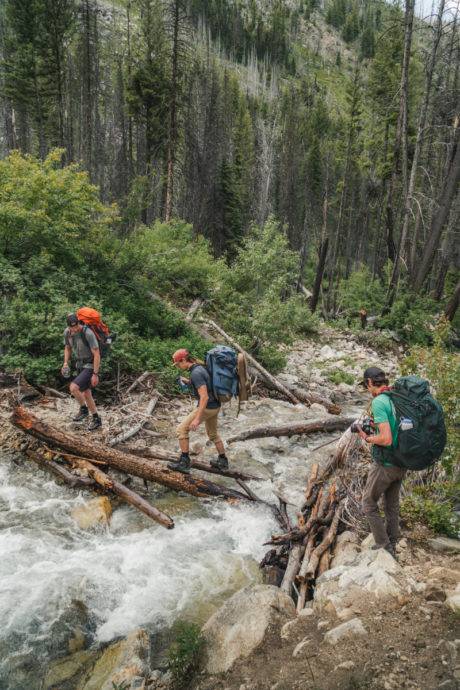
(210, 422)
(83, 379)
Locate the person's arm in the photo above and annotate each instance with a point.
(67, 357)
(204, 397)
(96, 366)
(383, 438)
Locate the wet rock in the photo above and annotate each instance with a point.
(70, 667)
(97, 511)
(445, 544)
(121, 664)
(351, 628)
(240, 625)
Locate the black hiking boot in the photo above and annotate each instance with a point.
(221, 463)
(95, 423)
(182, 465)
(82, 414)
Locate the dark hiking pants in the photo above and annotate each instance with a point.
(383, 482)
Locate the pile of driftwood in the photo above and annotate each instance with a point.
(332, 498)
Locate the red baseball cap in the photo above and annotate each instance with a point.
(179, 355)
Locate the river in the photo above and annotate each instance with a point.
(56, 579)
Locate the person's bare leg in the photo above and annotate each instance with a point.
(184, 445)
(220, 447)
(89, 401)
(77, 394)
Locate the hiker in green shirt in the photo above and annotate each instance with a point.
(384, 479)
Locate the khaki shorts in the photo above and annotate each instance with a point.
(209, 418)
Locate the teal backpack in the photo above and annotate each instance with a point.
(421, 429)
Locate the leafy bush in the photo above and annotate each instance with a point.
(442, 369)
(184, 655)
(360, 291)
(433, 505)
(59, 251)
(339, 376)
(257, 303)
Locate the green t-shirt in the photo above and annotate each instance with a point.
(383, 410)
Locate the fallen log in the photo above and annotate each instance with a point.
(130, 464)
(126, 494)
(295, 556)
(196, 304)
(325, 544)
(41, 459)
(310, 398)
(129, 433)
(138, 382)
(277, 385)
(164, 456)
(302, 428)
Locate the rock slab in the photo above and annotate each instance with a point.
(121, 664)
(240, 625)
(351, 628)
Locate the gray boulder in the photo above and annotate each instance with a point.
(351, 628)
(240, 625)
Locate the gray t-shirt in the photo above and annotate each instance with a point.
(80, 350)
(199, 376)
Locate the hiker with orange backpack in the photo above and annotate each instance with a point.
(86, 338)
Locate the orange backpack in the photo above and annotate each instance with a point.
(92, 319)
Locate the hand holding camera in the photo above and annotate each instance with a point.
(367, 426)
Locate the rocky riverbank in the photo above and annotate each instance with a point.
(114, 637)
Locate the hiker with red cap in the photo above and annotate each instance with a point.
(385, 477)
(206, 412)
(81, 342)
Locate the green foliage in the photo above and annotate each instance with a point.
(256, 303)
(58, 252)
(442, 369)
(433, 505)
(361, 291)
(339, 376)
(184, 655)
(412, 317)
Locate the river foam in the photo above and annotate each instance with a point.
(131, 574)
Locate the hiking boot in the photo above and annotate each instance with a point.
(221, 463)
(182, 465)
(95, 423)
(82, 414)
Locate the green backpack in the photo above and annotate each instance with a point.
(421, 429)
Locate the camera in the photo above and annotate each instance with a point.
(367, 425)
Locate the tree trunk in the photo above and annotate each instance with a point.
(146, 469)
(126, 494)
(171, 150)
(452, 306)
(450, 189)
(310, 427)
(393, 287)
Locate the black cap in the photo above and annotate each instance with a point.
(72, 319)
(373, 373)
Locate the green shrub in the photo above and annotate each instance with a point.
(184, 655)
(433, 505)
(257, 302)
(339, 376)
